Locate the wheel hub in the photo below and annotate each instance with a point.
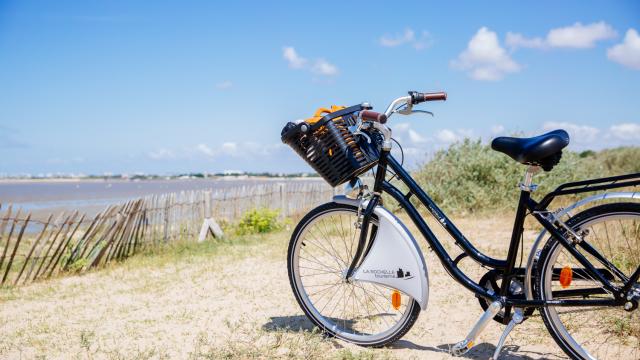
(343, 275)
(633, 297)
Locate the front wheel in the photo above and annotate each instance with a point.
(321, 249)
(611, 234)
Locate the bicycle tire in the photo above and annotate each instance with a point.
(410, 314)
(565, 340)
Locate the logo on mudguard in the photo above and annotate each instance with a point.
(389, 274)
(403, 275)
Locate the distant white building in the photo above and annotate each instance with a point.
(233, 172)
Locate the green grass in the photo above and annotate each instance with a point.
(155, 271)
(259, 221)
(471, 177)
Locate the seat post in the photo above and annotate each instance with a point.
(526, 187)
(527, 183)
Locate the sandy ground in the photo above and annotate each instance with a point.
(235, 302)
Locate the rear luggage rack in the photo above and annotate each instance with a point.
(579, 187)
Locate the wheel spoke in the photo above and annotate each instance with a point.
(358, 312)
(603, 332)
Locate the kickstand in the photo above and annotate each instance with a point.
(465, 345)
(516, 319)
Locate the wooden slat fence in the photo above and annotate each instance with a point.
(71, 242)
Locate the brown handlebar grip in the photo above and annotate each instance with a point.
(436, 96)
(417, 98)
(373, 116)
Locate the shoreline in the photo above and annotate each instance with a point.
(168, 179)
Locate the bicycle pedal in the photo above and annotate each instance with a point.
(461, 348)
(465, 345)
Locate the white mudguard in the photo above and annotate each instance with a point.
(395, 260)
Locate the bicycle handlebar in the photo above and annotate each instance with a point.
(369, 115)
(414, 98)
(417, 97)
(378, 120)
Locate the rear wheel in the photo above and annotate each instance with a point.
(321, 249)
(613, 230)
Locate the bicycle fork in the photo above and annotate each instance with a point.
(465, 345)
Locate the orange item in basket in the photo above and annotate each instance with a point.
(322, 112)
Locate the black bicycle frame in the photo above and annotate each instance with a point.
(507, 267)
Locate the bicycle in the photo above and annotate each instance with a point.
(358, 274)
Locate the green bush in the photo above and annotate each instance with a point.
(620, 161)
(470, 177)
(259, 221)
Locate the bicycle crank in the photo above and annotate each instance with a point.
(491, 281)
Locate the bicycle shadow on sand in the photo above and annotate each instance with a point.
(289, 323)
(296, 323)
(480, 351)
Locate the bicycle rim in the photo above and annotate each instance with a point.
(359, 312)
(596, 332)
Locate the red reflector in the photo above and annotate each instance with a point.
(396, 299)
(566, 275)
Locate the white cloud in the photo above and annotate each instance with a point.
(294, 60)
(589, 137)
(465, 133)
(576, 36)
(318, 66)
(403, 132)
(323, 67)
(626, 131)
(580, 36)
(206, 150)
(484, 58)
(408, 37)
(417, 153)
(401, 127)
(415, 137)
(230, 148)
(627, 53)
(223, 85)
(423, 42)
(515, 40)
(497, 129)
(447, 136)
(408, 136)
(60, 161)
(161, 154)
(578, 133)
(398, 39)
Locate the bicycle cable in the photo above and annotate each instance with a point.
(401, 159)
(522, 240)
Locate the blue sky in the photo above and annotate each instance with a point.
(166, 87)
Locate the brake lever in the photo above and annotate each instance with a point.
(408, 110)
(422, 111)
(356, 130)
(404, 110)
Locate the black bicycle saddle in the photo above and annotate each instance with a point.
(543, 150)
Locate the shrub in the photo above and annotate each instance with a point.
(258, 221)
(469, 176)
(620, 161)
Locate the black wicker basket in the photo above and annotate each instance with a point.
(330, 148)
